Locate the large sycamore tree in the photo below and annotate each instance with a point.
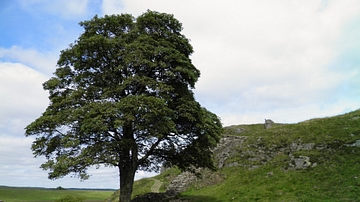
(122, 97)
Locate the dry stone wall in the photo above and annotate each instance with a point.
(181, 182)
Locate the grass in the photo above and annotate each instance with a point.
(335, 178)
(14, 194)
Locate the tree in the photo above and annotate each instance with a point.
(122, 96)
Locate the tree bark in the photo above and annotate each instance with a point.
(128, 166)
(127, 174)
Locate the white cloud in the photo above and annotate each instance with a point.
(19, 168)
(44, 62)
(112, 7)
(22, 97)
(77, 7)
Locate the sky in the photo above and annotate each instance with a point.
(288, 61)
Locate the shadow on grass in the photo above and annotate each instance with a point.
(162, 197)
(200, 199)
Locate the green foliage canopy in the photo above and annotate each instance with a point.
(122, 96)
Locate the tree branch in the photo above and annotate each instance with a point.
(151, 150)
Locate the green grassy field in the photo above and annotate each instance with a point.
(15, 194)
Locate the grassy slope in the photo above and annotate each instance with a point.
(13, 194)
(336, 178)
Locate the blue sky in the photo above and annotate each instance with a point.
(285, 60)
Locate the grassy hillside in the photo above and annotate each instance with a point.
(334, 174)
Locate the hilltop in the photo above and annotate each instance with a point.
(313, 160)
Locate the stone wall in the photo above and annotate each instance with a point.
(182, 182)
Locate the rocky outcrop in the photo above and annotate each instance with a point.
(268, 123)
(354, 144)
(226, 148)
(181, 182)
(302, 162)
(236, 151)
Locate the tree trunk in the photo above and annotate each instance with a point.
(127, 174)
(128, 165)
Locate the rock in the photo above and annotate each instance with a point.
(320, 147)
(293, 146)
(227, 147)
(299, 146)
(268, 123)
(307, 162)
(232, 164)
(355, 144)
(239, 130)
(307, 146)
(302, 162)
(181, 182)
(299, 162)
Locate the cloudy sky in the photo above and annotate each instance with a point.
(286, 60)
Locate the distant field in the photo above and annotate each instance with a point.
(14, 194)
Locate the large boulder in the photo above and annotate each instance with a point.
(268, 123)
